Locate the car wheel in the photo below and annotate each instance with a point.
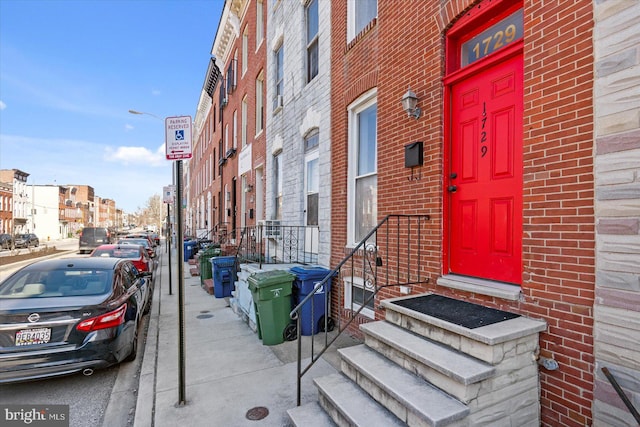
(134, 347)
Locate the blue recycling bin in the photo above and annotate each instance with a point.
(312, 312)
(224, 275)
(188, 249)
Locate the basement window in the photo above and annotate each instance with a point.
(356, 292)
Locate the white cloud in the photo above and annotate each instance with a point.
(135, 156)
(155, 92)
(2, 105)
(128, 127)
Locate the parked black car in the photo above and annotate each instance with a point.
(63, 316)
(26, 240)
(92, 237)
(5, 241)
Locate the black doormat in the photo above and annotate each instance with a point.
(461, 313)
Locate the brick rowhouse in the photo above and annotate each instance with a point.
(406, 46)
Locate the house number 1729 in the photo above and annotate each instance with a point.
(493, 38)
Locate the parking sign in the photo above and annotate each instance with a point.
(178, 137)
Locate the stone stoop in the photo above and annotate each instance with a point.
(208, 286)
(410, 398)
(457, 373)
(418, 370)
(310, 415)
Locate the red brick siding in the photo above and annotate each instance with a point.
(406, 47)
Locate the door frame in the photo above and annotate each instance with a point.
(469, 25)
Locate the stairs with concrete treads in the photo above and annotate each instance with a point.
(417, 370)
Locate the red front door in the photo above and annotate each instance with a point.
(485, 182)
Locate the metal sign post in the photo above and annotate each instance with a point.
(178, 147)
(182, 400)
(169, 198)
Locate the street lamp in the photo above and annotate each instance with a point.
(142, 112)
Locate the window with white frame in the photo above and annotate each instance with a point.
(277, 185)
(363, 168)
(226, 139)
(312, 40)
(259, 104)
(311, 178)
(279, 78)
(259, 23)
(243, 137)
(359, 14)
(235, 128)
(245, 53)
(358, 293)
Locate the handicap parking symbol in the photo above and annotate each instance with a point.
(180, 135)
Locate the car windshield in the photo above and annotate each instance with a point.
(120, 252)
(130, 241)
(56, 283)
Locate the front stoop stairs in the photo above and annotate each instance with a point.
(418, 370)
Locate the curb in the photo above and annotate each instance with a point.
(145, 403)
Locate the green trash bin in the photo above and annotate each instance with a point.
(205, 263)
(271, 291)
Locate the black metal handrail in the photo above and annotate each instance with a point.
(389, 255)
(278, 244)
(621, 393)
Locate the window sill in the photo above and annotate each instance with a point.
(481, 286)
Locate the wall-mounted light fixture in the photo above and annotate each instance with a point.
(409, 104)
(248, 188)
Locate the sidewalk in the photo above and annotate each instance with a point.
(228, 370)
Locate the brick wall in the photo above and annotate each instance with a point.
(207, 190)
(405, 47)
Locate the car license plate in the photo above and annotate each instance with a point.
(33, 336)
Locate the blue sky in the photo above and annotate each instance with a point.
(70, 70)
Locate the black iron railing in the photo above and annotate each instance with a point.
(621, 393)
(218, 234)
(392, 254)
(272, 243)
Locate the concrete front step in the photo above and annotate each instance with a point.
(348, 405)
(409, 397)
(310, 415)
(458, 374)
(491, 343)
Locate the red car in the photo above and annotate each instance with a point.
(137, 254)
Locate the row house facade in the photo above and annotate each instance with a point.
(20, 199)
(225, 178)
(106, 212)
(6, 208)
(52, 211)
(519, 156)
